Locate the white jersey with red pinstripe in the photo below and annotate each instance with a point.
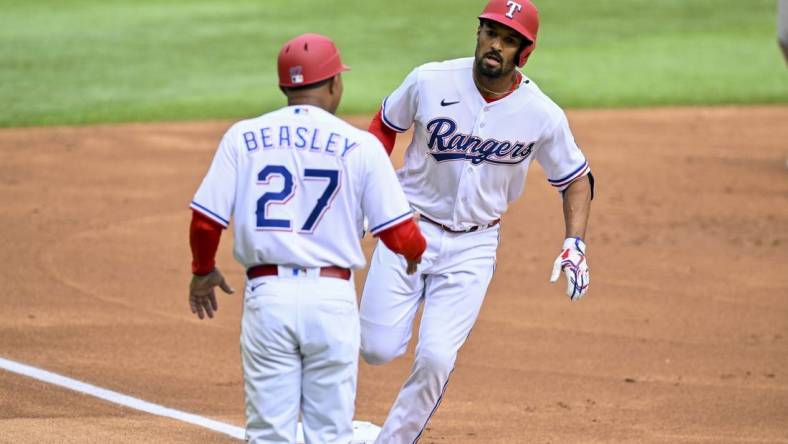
(468, 158)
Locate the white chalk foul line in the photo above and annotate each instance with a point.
(363, 432)
(119, 398)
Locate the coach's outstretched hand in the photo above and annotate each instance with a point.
(202, 297)
(572, 261)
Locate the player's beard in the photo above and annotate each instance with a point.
(492, 73)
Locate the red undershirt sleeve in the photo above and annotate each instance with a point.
(386, 135)
(405, 239)
(204, 235)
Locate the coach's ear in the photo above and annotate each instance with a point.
(332, 85)
(335, 84)
(335, 87)
(335, 93)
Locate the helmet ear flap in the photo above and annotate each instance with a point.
(526, 48)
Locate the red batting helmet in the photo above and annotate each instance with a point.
(520, 15)
(307, 59)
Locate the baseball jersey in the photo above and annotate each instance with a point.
(468, 158)
(298, 183)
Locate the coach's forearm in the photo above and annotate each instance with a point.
(204, 235)
(577, 206)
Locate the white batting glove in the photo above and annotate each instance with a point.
(572, 261)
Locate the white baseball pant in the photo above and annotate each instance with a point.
(299, 347)
(451, 281)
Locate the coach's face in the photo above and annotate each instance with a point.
(496, 48)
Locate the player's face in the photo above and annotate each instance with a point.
(496, 48)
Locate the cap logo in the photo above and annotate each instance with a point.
(296, 75)
(513, 7)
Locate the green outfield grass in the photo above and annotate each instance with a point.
(108, 61)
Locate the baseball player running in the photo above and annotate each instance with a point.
(298, 183)
(478, 124)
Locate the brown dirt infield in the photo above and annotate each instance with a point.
(683, 337)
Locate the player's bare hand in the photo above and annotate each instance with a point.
(572, 261)
(202, 295)
(412, 265)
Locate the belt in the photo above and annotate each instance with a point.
(273, 270)
(469, 230)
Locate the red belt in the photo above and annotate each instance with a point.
(469, 230)
(273, 270)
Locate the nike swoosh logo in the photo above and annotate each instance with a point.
(445, 103)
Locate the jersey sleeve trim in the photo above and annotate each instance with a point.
(210, 214)
(387, 121)
(579, 172)
(390, 223)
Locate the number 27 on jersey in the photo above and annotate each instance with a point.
(329, 177)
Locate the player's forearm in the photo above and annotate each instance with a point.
(386, 135)
(577, 207)
(204, 235)
(405, 239)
